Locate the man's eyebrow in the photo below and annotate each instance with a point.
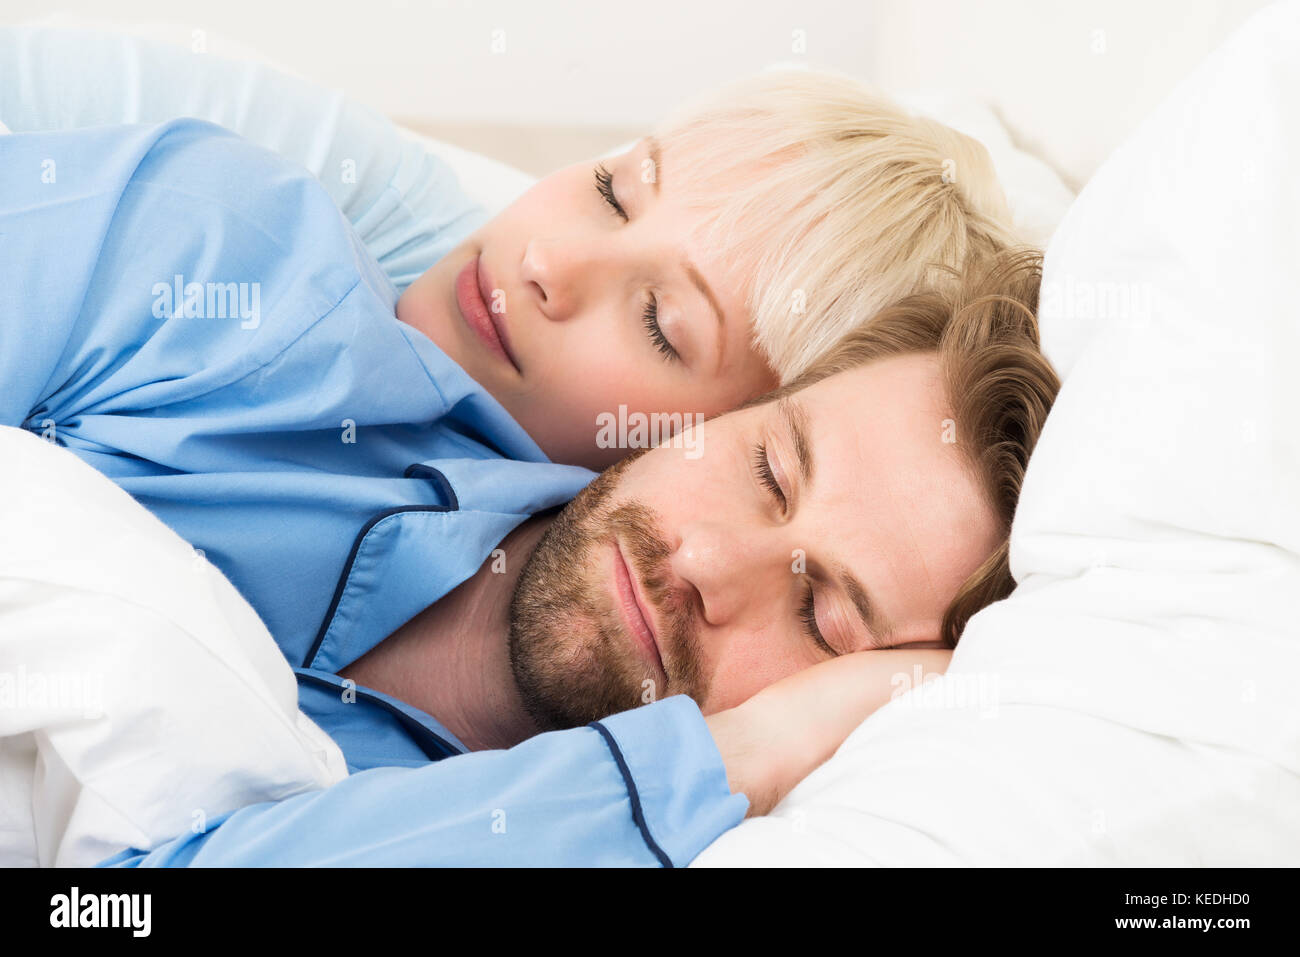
(879, 628)
(796, 421)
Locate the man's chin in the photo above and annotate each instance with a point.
(569, 666)
(569, 677)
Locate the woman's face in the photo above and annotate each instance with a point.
(586, 295)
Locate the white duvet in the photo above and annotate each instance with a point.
(1137, 699)
(140, 695)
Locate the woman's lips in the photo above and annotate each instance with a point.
(636, 617)
(472, 296)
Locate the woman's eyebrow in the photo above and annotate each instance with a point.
(692, 273)
(652, 147)
(703, 287)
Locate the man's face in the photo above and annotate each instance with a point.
(588, 294)
(840, 519)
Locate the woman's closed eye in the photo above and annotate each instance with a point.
(650, 313)
(605, 187)
(650, 319)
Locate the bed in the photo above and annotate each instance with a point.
(1133, 701)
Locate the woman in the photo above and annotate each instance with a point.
(716, 259)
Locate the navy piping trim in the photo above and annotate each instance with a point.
(637, 815)
(442, 749)
(414, 471)
(437, 478)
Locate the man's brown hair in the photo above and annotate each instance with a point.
(998, 383)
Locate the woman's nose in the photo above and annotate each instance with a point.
(731, 569)
(558, 273)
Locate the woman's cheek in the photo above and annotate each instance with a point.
(591, 374)
(575, 416)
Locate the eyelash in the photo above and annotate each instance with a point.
(650, 315)
(650, 319)
(763, 470)
(808, 615)
(605, 186)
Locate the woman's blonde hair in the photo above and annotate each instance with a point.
(831, 201)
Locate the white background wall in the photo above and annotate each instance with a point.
(1068, 77)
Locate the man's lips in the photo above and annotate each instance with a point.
(636, 614)
(473, 293)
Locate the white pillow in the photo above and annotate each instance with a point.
(488, 182)
(1036, 195)
(1133, 702)
(140, 695)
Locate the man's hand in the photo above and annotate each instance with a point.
(772, 741)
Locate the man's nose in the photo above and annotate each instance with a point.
(731, 569)
(562, 272)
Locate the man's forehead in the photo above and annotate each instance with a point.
(895, 387)
(881, 429)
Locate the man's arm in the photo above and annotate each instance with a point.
(405, 204)
(643, 788)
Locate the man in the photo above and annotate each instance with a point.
(865, 507)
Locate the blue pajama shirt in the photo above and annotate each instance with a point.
(336, 465)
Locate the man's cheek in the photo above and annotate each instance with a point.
(651, 482)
